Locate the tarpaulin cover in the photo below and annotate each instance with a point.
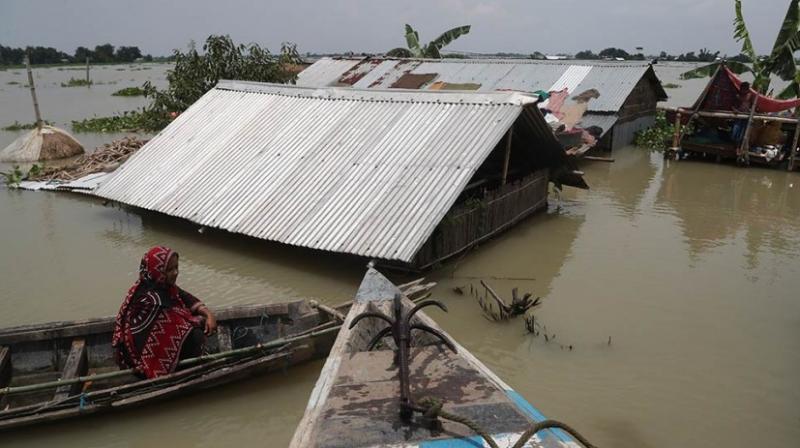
(724, 90)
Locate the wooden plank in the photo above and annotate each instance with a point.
(224, 338)
(507, 155)
(214, 378)
(793, 148)
(82, 328)
(5, 372)
(5, 366)
(75, 366)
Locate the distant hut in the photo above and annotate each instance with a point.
(42, 143)
(623, 101)
(406, 177)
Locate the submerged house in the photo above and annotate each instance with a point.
(623, 96)
(403, 176)
(767, 133)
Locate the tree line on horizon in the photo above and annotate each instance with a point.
(105, 53)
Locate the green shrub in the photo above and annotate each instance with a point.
(193, 75)
(660, 135)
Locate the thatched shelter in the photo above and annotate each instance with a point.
(45, 143)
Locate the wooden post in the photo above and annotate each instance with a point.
(793, 148)
(676, 138)
(508, 155)
(744, 148)
(33, 92)
(87, 69)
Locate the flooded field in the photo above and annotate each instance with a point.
(60, 105)
(676, 284)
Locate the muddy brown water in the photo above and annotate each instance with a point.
(691, 270)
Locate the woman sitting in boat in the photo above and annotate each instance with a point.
(159, 323)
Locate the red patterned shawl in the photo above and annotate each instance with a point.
(154, 320)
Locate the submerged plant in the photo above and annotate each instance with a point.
(16, 175)
(660, 134)
(129, 91)
(75, 82)
(17, 126)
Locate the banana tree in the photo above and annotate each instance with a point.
(431, 50)
(780, 61)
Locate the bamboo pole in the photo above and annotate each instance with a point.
(744, 148)
(508, 155)
(793, 148)
(184, 363)
(33, 92)
(87, 69)
(721, 114)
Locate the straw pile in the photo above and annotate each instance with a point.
(104, 159)
(47, 143)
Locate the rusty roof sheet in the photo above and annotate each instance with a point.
(365, 172)
(613, 80)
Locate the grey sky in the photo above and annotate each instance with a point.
(520, 26)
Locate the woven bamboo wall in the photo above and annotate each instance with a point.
(476, 220)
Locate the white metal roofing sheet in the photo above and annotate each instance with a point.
(613, 80)
(364, 172)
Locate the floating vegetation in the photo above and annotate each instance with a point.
(16, 175)
(74, 82)
(670, 85)
(129, 91)
(17, 126)
(130, 121)
(12, 83)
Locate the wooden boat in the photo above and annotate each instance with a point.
(358, 400)
(61, 370)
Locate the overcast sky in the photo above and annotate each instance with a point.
(521, 26)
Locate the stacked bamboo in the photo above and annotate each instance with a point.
(104, 159)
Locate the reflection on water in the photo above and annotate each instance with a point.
(690, 269)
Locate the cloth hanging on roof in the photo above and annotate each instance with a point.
(765, 103)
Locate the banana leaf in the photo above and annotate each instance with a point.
(399, 52)
(741, 34)
(702, 71)
(447, 37)
(412, 40)
(791, 91)
(781, 61)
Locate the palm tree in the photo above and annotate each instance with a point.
(780, 61)
(428, 51)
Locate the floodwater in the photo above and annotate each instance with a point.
(60, 105)
(689, 269)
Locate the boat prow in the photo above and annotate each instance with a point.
(358, 400)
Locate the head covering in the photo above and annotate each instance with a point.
(146, 308)
(153, 267)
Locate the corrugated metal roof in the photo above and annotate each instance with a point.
(604, 122)
(326, 74)
(366, 172)
(613, 80)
